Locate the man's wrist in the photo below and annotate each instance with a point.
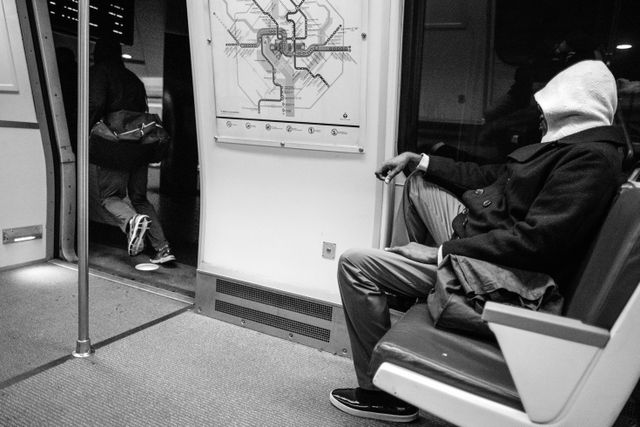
(423, 164)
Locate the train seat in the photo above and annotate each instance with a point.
(570, 370)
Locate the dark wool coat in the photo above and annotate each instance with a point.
(541, 209)
(112, 87)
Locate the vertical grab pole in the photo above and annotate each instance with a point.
(83, 345)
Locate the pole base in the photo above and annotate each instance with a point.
(83, 348)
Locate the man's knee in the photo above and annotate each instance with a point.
(356, 261)
(347, 262)
(355, 257)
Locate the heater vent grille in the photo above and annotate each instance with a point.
(273, 299)
(272, 320)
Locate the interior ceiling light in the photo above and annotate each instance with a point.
(624, 46)
(126, 56)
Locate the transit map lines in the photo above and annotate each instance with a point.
(288, 61)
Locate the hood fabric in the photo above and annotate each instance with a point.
(580, 97)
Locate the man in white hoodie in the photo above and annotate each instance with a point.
(537, 212)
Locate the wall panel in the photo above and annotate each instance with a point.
(23, 167)
(15, 90)
(268, 210)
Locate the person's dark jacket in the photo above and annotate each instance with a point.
(541, 209)
(112, 87)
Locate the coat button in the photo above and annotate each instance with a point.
(486, 203)
(479, 191)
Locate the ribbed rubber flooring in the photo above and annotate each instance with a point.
(190, 370)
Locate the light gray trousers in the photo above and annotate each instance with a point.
(365, 276)
(115, 185)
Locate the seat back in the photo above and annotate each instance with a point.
(612, 271)
(630, 151)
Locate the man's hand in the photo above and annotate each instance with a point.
(416, 252)
(392, 167)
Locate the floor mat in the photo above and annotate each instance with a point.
(38, 314)
(190, 370)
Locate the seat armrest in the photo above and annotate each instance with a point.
(546, 324)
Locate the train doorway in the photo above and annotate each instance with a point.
(155, 47)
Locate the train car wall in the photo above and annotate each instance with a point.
(23, 172)
(269, 212)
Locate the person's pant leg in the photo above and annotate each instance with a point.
(425, 213)
(137, 187)
(363, 276)
(112, 186)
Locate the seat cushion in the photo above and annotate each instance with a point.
(464, 362)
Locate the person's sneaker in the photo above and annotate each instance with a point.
(138, 226)
(373, 404)
(163, 255)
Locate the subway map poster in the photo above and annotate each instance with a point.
(289, 71)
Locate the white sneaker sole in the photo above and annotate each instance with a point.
(372, 415)
(136, 244)
(164, 259)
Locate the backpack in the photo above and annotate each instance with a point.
(127, 139)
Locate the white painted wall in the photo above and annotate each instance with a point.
(23, 186)
(15, 90)
(266, 211)
(23, 194)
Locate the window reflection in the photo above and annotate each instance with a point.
(480, 63)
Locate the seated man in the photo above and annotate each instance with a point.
(538, 212)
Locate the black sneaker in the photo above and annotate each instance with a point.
(163, 255)
(373, 404)
(138, 225)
